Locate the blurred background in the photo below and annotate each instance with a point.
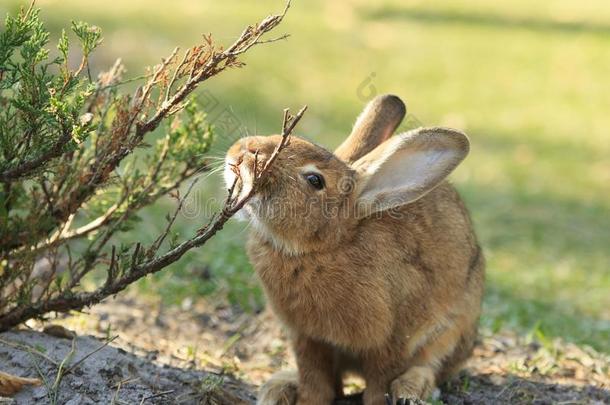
(528, 81)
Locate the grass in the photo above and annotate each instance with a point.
(527, 81)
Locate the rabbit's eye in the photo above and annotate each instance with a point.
(316, 180)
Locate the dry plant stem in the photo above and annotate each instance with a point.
(76, 301)
(61, 372)
(249, 37)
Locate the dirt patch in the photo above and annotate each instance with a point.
(163, 348)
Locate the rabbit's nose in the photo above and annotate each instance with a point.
(254, 144)
(252, 149)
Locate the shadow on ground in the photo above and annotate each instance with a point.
(510, 389)
(170, 346)
(486, 20)
(99, 373)
(468, 389)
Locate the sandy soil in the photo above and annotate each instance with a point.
(162, 350)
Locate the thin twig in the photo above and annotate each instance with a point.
(120, 384)
(268, 41)
(249, 38)
(42, 376)
(135, 255)
(157, 243)
(30, 8)
(175, 76)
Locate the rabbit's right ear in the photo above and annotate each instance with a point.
(406, 167)
(375, 124)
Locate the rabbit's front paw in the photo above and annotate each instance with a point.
(281, 389)
(416, 383)
(403, 401)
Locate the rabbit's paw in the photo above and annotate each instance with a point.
(416, 383)
(281, 389)
(403, 401)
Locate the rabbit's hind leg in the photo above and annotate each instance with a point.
(463, 350)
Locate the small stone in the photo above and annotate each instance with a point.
(187, 304)
(76, 383)
(78, 399)
(39, 393)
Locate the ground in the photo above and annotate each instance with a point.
(159, 350)
(527, 81)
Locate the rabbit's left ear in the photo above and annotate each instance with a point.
(375, 124)
(406, 167)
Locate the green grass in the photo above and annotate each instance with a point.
(527, 81)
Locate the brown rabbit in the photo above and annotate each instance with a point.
(366, 255)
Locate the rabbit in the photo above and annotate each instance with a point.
(367, 256)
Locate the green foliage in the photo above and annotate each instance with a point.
(90, 36)
(40, 109)
(191, 135)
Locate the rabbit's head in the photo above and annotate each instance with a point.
(313, 199)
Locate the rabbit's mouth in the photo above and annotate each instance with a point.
(237, 174)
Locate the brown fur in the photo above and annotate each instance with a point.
(394, 296)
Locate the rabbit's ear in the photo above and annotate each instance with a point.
(375, 124)
(406, 167)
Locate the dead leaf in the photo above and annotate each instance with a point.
(59, 331)
(11, 384)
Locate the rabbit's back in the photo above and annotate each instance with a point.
(441, 282)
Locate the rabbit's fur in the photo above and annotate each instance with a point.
(378, 273)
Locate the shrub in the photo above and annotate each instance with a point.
(68, 180)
